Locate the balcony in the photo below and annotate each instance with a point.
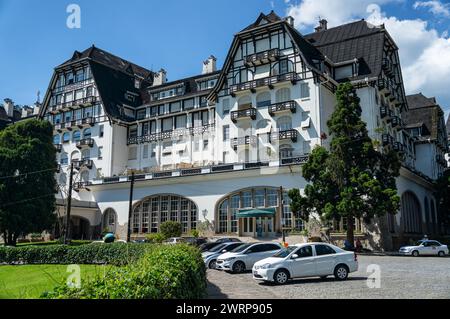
(384, 112)
(262, 57)
(243, 141)
(86, 162)
(283, 107)
(399, 147)
(388, 67)
(88, 121)
(396, 122)
(263, 82)
(77, 186)
(58, 147)
(285, 135)
(244, 114)
(387, 139)
(85, 142)
(58, 127)
(298, 160)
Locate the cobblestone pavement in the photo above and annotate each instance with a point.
(401, 277)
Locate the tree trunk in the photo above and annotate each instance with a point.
(9, 239)
(350, 231)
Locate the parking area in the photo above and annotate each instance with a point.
(400, 277)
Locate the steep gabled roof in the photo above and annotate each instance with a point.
(420, 101)
(357, 40)
(448, 125)
(263, 19)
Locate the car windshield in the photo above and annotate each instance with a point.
(241, 248)
(285, 252)
(420, 242)
(218, 248)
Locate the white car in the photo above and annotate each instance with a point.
(244, 256)
(425, 248)
(210, 256)
(174, 241)
(306, 260)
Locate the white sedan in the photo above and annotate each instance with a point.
(306, 260)
(425, 248)
(244, 256)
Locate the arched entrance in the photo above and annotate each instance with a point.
(109, 221)
(149, 213)
(411, 213)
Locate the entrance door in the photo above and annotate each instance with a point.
(264, 226)
(247, 226)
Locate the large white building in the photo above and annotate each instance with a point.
(220, 144)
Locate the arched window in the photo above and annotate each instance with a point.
(86, 154)
(263, 99)
(262, 124)
(109, 220)
(282, 67)
(286, 151)
(283, 95)
(411, 213)
(75, 156)
(284, 123)
(244, 102)
(66, 137)
(148, 213)
(227, 220)
(84, 176)
(87, 133)
(64, 159)
(56, 139)
(76, 136)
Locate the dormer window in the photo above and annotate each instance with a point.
(137, 83)
(69, 78)
(129, 97)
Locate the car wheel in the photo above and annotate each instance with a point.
(238, 267)
(212, 264)
(281, 277)
(441, 254)
(415, 253)
(341, 272)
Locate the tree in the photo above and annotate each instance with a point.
(443, 199)
(27, 179)
(171, 229)
(354, 178)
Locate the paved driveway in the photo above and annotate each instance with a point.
(401, 277)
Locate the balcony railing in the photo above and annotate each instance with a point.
(244, 114)
(268, 81)
(291, 134)
(282, 107)
(384, 112)
(86, 162)
(77, 186)
(399, 147)
(58, 147)
(396, 122)
(86, 101)
(262, 57)
(388, 67)
(295, 160)
(387, 139)
(85, 142)
(243, 141)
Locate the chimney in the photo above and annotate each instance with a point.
(26, 110)
(209, 65)
(160, 78)
(290, 20)
(36, 108)
(323, 25)
(9, 107)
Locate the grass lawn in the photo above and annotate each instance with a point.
(29, 281)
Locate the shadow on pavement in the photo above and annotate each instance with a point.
(313, 281)
(214, 291)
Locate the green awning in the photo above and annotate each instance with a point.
(256, 212)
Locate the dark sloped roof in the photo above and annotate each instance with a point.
(270, 18)
(308, 51)
(448, 126)
(3, 114)
(423, 110)
(357, 40)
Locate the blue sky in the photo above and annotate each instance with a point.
(179, 34)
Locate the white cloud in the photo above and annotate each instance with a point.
(436, 7)
(424, 53)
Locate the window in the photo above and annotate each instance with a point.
(66, 137)
(259, 197)
(324, 250)
(284, 123)
(64, 159)
(87, 133)
(56, 139)
(167, 124)
(304, 252)
(79, 76)
(133, 131)
(87, 112)
(226, 106)
(304, 90)
(69, 78)
(145, 151)
(188, 104)
(263, 99)
(286, 151)
(205, 145)
(101, 131)
(132, 153)
(140, 114)
(343, 72)
(86, 154)
(100, 152)
(181, 121)
(226, 133)
(306, 147)
(153, 150)
(284, 66)
(175, 107)
(77, 114)
(68, 97)
(89, 91)
(78, 94)
(57, 118)
(283, 95)
(76, 136)
(68, 116)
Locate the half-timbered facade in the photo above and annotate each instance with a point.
(225, 146)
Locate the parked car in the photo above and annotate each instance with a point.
(228, 239)
(196, 241)
(210, 257)
(244, 256)
(425, 248)
(306, 260)
(208, 246)
(174, 240)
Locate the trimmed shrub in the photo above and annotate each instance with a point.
(195, 233)
(171, 229)
(115, 253)
(155, 238)
(165, 272)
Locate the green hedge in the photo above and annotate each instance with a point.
(115, 253)
(165, 272)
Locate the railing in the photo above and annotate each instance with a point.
(399, 147)
(243, 141)
(262, 57)
(268, 81)
(295, 160)
(81, 185)
(79, 102)
(283, 106)
(384, 111)
(58, 147)
(85, 142)
(387, 139)
(86, 162)
(291, 134)
(396, 121)
(241, 114)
